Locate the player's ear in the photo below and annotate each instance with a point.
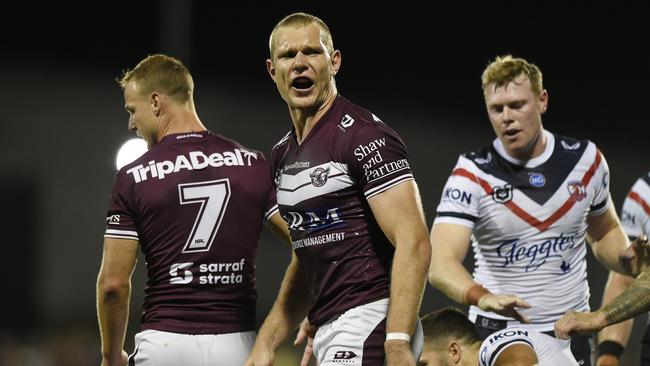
(336, 62)
(155, 100)
(270, 67)
(453, 353)
(543, 101)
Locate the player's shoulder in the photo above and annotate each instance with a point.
(352, 119)
(283, 142)
(510, 334)
(231, 144)
(500, 340)
(572, 146)
(481, 156)
(645, 178)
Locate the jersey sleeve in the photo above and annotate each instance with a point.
(377, 159)
(499, 341)
(459, 203)
(601, 200)
(271, 206)
(120, 219)
(635, 215)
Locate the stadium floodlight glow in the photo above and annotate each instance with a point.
(129, 151)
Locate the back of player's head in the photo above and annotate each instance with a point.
(161, 73)
(505, 69)
(445, 325)
(299, 20)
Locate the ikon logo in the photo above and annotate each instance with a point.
(344, 355)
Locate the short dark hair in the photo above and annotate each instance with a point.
(448, 323)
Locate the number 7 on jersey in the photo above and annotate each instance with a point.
(213, 197)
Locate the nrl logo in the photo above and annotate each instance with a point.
(319, 176)
(502, 194)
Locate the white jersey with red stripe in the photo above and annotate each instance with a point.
(550, 351)
(636, 208)
(529, 222)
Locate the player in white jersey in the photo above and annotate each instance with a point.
(527, 203)
(451, 339)
(635, 217)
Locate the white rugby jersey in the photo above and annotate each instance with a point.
(550, 351)
(636, 208)
(529, 222)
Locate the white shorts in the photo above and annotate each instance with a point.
(158, 348)
(357, 337)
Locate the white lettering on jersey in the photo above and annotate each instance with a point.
(362, 151)
(196, 160)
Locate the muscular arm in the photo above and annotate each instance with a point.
(113, 296)
(399, 213)
(517, 355)
(620, 332)
(607, 239)
(633, 301)
(290, 307)
(449, 244)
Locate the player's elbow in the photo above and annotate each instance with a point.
(110, 288)
(438, 269)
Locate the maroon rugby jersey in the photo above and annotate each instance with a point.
(323, 186)
(196, 202)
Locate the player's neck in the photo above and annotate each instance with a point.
(304, 120)
(181, 120)
(474, 349)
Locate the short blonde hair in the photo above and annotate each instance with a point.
(161, 73)
(504, 69)
(299, 20)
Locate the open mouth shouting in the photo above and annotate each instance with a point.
(302, 83)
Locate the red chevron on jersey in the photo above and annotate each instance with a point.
(540, 225)
(637, 198)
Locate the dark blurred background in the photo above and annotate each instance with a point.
(415, 65)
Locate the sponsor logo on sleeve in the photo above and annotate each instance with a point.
(457, 195)
(374, 166)
(113, 219)
(500, 336)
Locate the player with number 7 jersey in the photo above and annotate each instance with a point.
(195, 204)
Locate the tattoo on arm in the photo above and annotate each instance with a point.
(633, 301)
